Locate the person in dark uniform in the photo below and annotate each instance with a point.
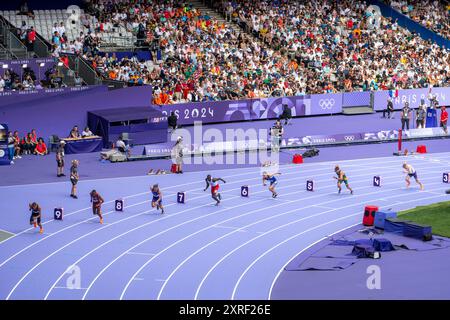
(286, 115)
(421, 114)
(172, 121)
(97, 201)
(74, 178)
(405, 116)
(35, 218)
(214, 182)
(157, 198)
(389, 109)
(60, 159)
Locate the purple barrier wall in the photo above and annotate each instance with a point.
(255, 109)
(356, 99)
(413, 96)
(59, 113)
(34, 64)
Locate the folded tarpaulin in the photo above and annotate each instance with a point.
(383, 245)
(322, 264)
(363, 251)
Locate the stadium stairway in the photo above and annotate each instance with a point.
(212, 13)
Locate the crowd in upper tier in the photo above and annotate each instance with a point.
(432, 14)
(285, 48)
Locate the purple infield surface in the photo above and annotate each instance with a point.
(195, 250)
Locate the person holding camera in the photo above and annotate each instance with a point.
(177, 154)
(405, 116)
(421, 115)
(277, 134)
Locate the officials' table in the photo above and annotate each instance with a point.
(83, 145)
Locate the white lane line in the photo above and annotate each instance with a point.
(112, 211)
(168, 229)
(303, 250)
(199, 172)
(141, 253)
(112, 201)
(67, 288)
(321, 207)
(141, 226)
(264, 233)
(179, 241)
(105, 268)
(89, 234)
(303, 232)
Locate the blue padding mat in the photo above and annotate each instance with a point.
(380, 218)
(394, 225)
(417, 231)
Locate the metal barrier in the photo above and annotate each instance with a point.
(84, 70)
(40, 48)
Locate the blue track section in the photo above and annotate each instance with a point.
(196, 250)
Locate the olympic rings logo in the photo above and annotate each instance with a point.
(349, 138)
(327, 103)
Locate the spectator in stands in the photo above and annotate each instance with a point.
(432, 14)
(31, 38)
(23, 32)
(2, 84)
(86, 133)
(74, 133)
(61, 29)
(28, 83)
(41, 147)
(77, 80)
(25, 10)
(306, 47)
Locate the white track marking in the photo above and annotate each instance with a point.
(163, 232)
(179, 241)
(303, 250)
(298, 234)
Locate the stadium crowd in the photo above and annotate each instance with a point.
(432, 14)
(305, 48)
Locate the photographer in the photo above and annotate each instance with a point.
(276, 133)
